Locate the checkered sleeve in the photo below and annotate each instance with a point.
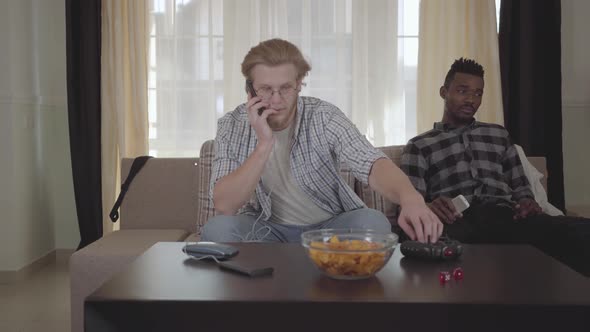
(350, 146)
(414, 165)
(514, 175)
(224, 160)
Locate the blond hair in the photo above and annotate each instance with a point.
(274, 52)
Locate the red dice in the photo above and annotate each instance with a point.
(444, 276)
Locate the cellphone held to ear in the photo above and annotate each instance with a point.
(250, 88)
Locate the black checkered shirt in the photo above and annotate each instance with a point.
(477, 161)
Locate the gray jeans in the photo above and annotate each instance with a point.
(242, 228)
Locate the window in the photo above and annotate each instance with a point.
(186, 74)
(408, 29)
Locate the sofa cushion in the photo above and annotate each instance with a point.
(194, 237)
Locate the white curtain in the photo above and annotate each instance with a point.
(351, 45)
(185, 75)
(363, 60)
(449, 30)
(124, 104)
(378, 106)
(246, 23)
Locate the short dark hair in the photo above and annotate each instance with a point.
(466, 66)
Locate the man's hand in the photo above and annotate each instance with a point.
(444, 208)
(419, 222)
(259, 122)
(526, 207)
(415, 218)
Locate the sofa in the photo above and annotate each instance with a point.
(168, 201)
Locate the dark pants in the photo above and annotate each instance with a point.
(565, 238)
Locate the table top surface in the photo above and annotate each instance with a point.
(493, 274)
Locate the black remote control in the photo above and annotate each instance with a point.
(245, 269)
(220, 251)
(443, 249)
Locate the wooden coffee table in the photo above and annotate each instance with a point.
(505, 287)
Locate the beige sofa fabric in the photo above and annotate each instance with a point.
(194, 237)
(163, 195)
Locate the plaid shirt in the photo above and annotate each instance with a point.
(477, 161)
(323, 137)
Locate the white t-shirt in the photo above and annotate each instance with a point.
(290, 205)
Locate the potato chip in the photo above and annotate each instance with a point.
(350, 264)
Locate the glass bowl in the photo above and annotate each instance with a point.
(349, 254)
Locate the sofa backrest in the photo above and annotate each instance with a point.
(163, 195)
(174, 192)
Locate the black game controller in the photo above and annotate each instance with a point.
(443, 249)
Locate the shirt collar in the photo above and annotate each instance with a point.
(446, 127)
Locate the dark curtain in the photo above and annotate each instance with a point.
(530, 63)
(83, 81)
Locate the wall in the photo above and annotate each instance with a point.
(6, 143)
(54, 134)
(36, 191)
(576, 101)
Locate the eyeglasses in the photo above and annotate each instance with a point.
(267, 92)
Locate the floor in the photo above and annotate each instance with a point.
(41, 302)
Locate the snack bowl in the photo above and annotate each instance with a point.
(349, 254)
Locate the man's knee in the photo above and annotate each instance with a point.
(366, 219)
(220, 228)
(377, 221)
